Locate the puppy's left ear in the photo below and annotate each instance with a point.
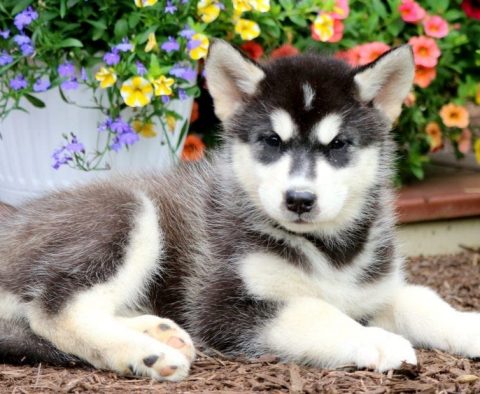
(387, 81)
(231, 78)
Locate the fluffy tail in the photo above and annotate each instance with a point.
(19, 345)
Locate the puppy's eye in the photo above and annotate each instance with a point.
(337, 144)
(272, 140)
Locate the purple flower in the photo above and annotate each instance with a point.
(60, 157)
(66, 69)
(25, 17)
(186, 72)
(192, 44)
(83, 74)
(119, 126)
(171, 45)
(5, 58)
(141, 70)
(70, 84)
(128, 138)
(22, 39)
(5, 34)
(186, 32)
(170, 8)
(105, 125)
(124, 46)
(27, 49)
(182, 94)
(18, 82)
(112, 58)
(165, 99)
(41, 85)
(74, 146)
(116, 145)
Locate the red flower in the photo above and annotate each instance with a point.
(253, 49)
(471, 8)
(284, 51)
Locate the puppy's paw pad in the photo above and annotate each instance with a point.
(165, 331)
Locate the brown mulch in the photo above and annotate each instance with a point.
(457, 278)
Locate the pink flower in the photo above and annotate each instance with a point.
(411, 11)
(284, 50)
(425, 51)
(371, 51)
(340, 10)
(435, 26)
(351, 56)
(465, 141)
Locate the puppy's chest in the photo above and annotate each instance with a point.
(271, 277)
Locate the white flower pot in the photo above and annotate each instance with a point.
(29, 139)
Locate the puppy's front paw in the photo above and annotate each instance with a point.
(464, 337)
(382, 350)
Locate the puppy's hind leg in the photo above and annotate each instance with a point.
(90, 325)
(421, 316)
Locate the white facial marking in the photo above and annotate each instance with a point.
(282, 124)
(328, 128)
(308, 96)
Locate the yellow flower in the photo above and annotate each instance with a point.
(477, 95)
(323, 27)
(145, 3)
(476, 149)
(136, 92)
(208, 10)
(151, 43)
(202, 49)
(163, 85)
(248, 30)
(171, 122)
(260, 5)
(106, 77)
(454, 116)
(241, 6)
(146, 130)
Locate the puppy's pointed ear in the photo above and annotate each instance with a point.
(230, 77)
(387, 81)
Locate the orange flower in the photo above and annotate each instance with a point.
(195, 112)
(465, 141)
(435, 136)
(351, 56)
(454, 116)
(410, 100)
(194, 148)
(424, 76)
(284, 51)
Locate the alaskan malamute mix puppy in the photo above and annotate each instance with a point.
(282, 243)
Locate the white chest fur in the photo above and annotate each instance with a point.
(270, 277)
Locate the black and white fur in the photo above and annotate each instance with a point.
(283, 242)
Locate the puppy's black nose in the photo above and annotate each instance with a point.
(299, 202)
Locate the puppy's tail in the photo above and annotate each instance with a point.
(19, 345)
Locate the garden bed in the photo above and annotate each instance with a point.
(455, 277)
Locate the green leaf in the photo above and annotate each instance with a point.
(63, 8)
(379, 8)
(69, 43)
(121, 28)
(36, 102)
(182, 134)
(100, 24)
(21, 5)
(287, 4)
(298, 20)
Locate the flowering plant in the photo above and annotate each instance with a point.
(135, 56)
(444, 37)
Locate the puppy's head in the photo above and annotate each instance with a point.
(309, 135)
